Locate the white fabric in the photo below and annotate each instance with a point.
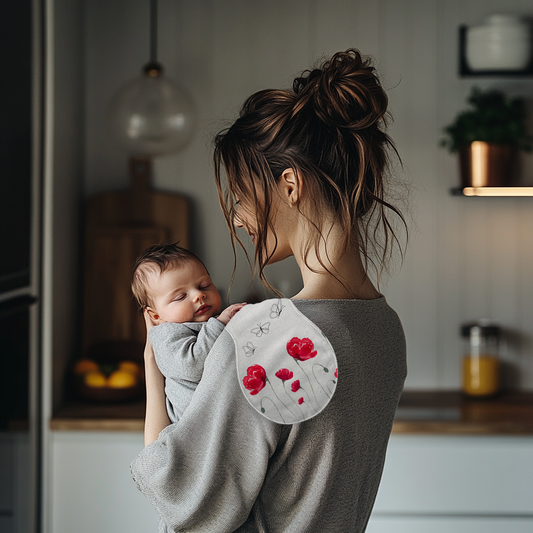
(287, 368)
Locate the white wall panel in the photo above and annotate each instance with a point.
(468, 258)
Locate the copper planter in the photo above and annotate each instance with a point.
(485, 164)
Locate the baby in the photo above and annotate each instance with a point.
(174, 287)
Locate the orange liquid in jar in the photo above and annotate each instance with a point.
(481, 375)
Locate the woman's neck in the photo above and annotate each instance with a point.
(346, 278)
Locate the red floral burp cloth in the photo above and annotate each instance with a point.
(287, 368)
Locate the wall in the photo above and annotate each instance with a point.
(468, 258)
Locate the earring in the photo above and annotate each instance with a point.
(156, 317)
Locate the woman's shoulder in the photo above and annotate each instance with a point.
(286, 366)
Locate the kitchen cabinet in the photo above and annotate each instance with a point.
(452, 465)
(464, 484)
(423, 524)
(91, 486)
(456, 483)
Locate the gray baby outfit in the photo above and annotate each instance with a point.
(225, 468)
(180, 351)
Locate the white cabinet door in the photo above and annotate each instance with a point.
(453, 475)
(92, 488)
(379, 524)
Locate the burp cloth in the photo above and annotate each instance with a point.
(286, 366)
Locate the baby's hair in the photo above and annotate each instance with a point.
(157, 259)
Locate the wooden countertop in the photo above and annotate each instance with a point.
(450, 412)
(84, 416)
(440, 412)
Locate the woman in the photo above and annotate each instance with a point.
(304, 177)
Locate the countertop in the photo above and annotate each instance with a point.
(439, 412)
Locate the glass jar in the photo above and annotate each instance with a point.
(481, 361)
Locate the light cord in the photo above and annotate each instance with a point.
(153, 31)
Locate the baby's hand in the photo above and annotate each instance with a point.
(229, 313)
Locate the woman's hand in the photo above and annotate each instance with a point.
(156, 410)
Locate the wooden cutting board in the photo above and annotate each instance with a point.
(119, 225)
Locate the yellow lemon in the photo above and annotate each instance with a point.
(95, 379)
(129, 366)
(121, 379)
(82, 366)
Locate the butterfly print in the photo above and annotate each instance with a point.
(249, 349)
(276, 309)
(261, 329)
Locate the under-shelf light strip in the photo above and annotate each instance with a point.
(498, 191)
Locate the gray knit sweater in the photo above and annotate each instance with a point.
(225, 468)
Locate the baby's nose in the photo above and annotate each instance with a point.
(199, 295)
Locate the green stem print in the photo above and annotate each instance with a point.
(268, 381)
(293, 400)
(263, 409)
(331, 381)
(298, 363)
(325, 370)
(309, 403)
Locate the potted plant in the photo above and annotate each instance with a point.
(487, 137)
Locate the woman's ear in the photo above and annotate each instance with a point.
(291, 186)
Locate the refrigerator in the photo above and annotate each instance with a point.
(20, 177)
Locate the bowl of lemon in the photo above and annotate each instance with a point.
(110, 372)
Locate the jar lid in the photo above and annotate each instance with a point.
(486, 328)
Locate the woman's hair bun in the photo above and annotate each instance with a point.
(343, 92)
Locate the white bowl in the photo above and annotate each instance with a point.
(494, 48)
(504, 19)
(497, 58)
(499, 33)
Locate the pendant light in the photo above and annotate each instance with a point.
(152, 115)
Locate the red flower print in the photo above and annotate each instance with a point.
(284, 374)
(295, 385)
(255, 379)
(300, 401)
(301, 349)
(336, 373)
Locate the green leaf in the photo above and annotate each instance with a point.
(492, 117)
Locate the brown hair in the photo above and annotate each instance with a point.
(330, 129)
(157, 258)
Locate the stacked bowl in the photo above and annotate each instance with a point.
(502, 43)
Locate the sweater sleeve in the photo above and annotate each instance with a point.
(180, 351)
(204, 472)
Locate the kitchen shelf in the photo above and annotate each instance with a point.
(466, 72)
(492, 191)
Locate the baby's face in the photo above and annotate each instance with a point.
(185, 294)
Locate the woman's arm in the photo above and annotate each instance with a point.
(203, 473)
(156, 410)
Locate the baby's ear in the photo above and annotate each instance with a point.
(153, 315)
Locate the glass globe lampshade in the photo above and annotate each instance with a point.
(152, 115)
